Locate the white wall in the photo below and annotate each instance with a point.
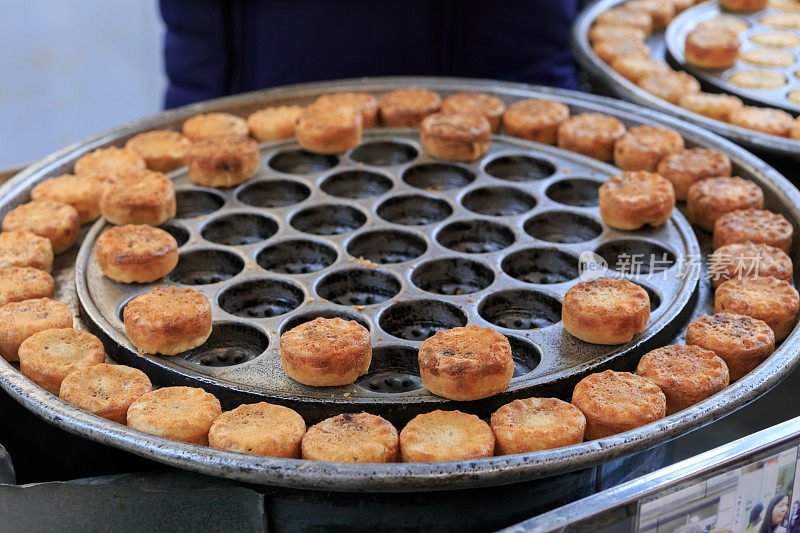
(72, 68)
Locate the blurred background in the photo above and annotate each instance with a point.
(73, 69)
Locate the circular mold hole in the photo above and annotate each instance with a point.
(296, 320)
(229, 344)
(299, 161)
(356, 184)
(475, 236)
(562, 227)
(202, 267)
(384, 153)
(414, 210)
(452, 276)
(520, 168)
(438, 176)
(526, 356)
(356, 286)
(635, 257)
(260, 298)
(578, 192)
(178, 232)
(239, 229)
(498, 201)
(520, 309)
(416, 320)
(541, 265)
(328, 220)
(274, 193)
(387, 246)
(195, 202)
(296, 257)
(394, 370)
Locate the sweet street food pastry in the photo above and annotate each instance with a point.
(605, 310)
(326, 352)
(445, 436)
(634, 67)
(620, 16)
(328, 129)
(591, 134)
(24, 249)
(716, 106)
(162, 150)
(689, 166)
(364, 103)
(140, 197)
(274, 123)
(777, 39)
(209, 125)
(407, 107)
(726, 21)
(466, 363)
(660, 12)
(47, 357)
(757, 79)
(178, 413)
(490, 107)
(712, 48)
(105, 163)
(631, 200)
(259, 429)
(643, 147)
(223, 161)
(603, 32)
(351, 438)
(535, 424)
(768, 57)
(748, 260)
(670, 85)
(136, 253)
(56, 221)
(168, 321)
(105, 390)
(743, 5)
(753, 225)
(20, 320)
(608, 51)
(24, 283)
(743, 342)
(615, 402)
(769, 299)
(782, 19)
(710, 198)
(455, 136)
(685, 374)
(82, 193)
(535, 120)
(771, 121)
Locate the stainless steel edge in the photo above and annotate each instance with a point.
(627, 90)
(404, 477)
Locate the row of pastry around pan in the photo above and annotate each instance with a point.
(618, 38)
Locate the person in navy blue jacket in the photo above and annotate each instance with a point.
(215, 48)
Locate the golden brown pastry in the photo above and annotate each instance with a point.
(710, 198)
(660, 12)
(466, 363)
(404, 108)
(685, 374)
(771, 121)
(24, 249)
(162, 150)
(445, 436)
(20, 320)
(136, 254)
(631, 200)
(609, 51)
(351, 438)
(670, 85)
(168, 321)
(535, 120)
(48, 356)
(259, 429)
(274, 123)
(605, 32)
(615, 402)
(605, 311)
(535, 424)
(753, 225)
(757, 79)
(643, 147)
(726, 21)
(620, 16)
(748, 260)
(685, 168)
(768, 57)
(326, 352)
(490, 107)
(716, 106)
(743, 5)
(56, 221)
(766, 298)
(712, 48)
(455, 136)
(141, 197)
(591, 134)
(634, 67)
(364, 103)
(24, 283)
(223, 161)
(106, 163)
(82, 193)
(105, 390)
(743, 342)
(210, 125)
(178, 413)
(328, 129)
